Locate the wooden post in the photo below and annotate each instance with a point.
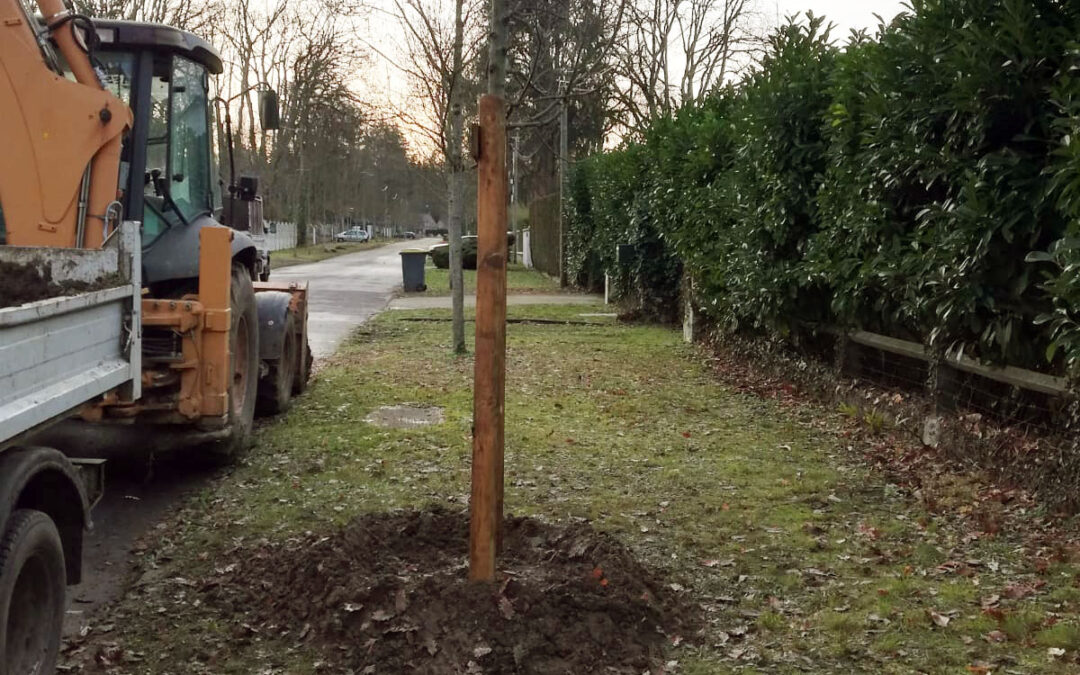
(490, 369)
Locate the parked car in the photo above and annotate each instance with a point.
(410, 235)
(354, 234)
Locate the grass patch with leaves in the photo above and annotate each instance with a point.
(300, 255)
(519, 279)
(800, 558)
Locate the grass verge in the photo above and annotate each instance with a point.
(314, 253)
(519, 279)
(800, 558)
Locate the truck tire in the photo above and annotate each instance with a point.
(303, 369)
(276, 389)
(32, 588)
(244, 363)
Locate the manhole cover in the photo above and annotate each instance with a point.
(405, 416)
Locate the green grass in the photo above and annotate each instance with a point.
(801, 558)
(308, 254)
(519, 279)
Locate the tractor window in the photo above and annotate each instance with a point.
(157, 152)
(118, 68)
(189, 139)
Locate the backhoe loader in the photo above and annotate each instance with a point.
(129, 314)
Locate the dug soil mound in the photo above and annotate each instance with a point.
(22, 283)
(388, 594)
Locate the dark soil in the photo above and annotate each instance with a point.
(388, 594)
(22, 283)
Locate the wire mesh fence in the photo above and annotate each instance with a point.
(1020, 425)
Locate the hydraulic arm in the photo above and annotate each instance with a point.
(60, 170)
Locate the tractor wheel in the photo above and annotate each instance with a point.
(244, 366)
(32, 587)
(276, 389)
(303, 369)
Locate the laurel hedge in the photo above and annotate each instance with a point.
(923, 182)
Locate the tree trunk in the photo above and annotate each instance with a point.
(497, 48)
(456, 208)
(456, 201)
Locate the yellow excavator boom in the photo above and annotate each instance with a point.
(60, 169)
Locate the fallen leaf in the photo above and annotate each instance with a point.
(996, 636)
(1055, 652)
(506, 608)
(382, 615)
(939, 619)
(990, 600)
(1018, 591)
(994, 612)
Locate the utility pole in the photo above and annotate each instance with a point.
(489, 384)
(564, 160)
(514, 196)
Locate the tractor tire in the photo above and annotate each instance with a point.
(276, 389)
(32, 586)
(244, 364)
(303, 369)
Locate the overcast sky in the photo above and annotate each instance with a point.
(846, 14)
(386, 81)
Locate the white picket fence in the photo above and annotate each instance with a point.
(280, 235)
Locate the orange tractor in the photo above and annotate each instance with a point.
(170, 338)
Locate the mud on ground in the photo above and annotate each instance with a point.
(388, 594)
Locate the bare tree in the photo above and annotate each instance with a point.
(255, 41)
(441, 44)
(194, 15)
(673, 52)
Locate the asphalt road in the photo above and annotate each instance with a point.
(347, 290)
(344, 292)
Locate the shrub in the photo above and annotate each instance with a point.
(897, 184)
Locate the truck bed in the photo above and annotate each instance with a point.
(61, 352)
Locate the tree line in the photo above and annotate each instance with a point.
(346, 152)
(338, 157)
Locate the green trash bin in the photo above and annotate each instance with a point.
(412, 270)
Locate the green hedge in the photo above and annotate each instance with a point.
(924, 183)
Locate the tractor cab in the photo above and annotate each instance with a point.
(169, 172)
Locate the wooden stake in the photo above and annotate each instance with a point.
(490, 370)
